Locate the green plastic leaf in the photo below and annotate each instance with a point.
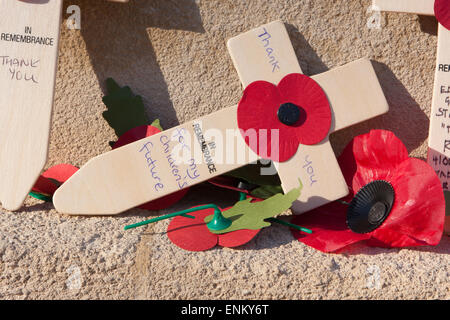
(125, 109)
(247, 215)
(157, 124)
(265, 192)
(252, 174)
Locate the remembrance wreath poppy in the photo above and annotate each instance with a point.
(397, 201)
(297, 109)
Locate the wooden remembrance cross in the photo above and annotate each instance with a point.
(439, 133)
(145, 170)
(29, 37)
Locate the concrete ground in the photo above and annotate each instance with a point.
(173, 53)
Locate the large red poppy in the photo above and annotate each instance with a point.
(193, 234)
(139, 133)
(274, 120)
(442, 12)
(418, 211)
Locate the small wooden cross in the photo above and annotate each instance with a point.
(146, 169)
(439, 133)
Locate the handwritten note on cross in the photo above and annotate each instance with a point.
(439, 133)
(29, 37)
(212, 145)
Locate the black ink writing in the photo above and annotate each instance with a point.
(444, 67)
(205, 148)
(45, 41)
(20, 68)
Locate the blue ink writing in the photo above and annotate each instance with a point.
(310, 170)
(152, 166)
(265, 39)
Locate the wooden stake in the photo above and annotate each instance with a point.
(439, 136)
(29, 36)
(424, 7)
(439, 133)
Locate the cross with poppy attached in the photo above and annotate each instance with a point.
(278, 98)
(439, 134)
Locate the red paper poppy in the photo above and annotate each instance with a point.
(275, 120)
(442, 12)
(417, 214)
(51, 179)
(193, 234)
(139, 133)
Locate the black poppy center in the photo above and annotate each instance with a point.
(370, 207)
(377, 212)
(291, 114)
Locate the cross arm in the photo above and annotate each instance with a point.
(423, 7)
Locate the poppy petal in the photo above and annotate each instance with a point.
(442, 12)
(329, 229)
(135, 134)
(379, 149)
(418, 215)
(306, 93)
(192, 234)
(258, 121)
(237, 238)
(53, 177)
(371, 156)
(139, 133)
(44, 186)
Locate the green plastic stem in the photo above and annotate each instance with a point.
(219, 222)
(40, 196)
(288, 224)
(167, 216)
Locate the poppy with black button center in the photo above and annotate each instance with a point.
(394, 200)
(276, 119)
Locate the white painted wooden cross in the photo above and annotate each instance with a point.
(145, 170)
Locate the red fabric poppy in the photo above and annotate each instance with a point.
(417, 216)
(139, 133)
(193, 234)
(442, 12)
(258, 116)
(51, 179)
